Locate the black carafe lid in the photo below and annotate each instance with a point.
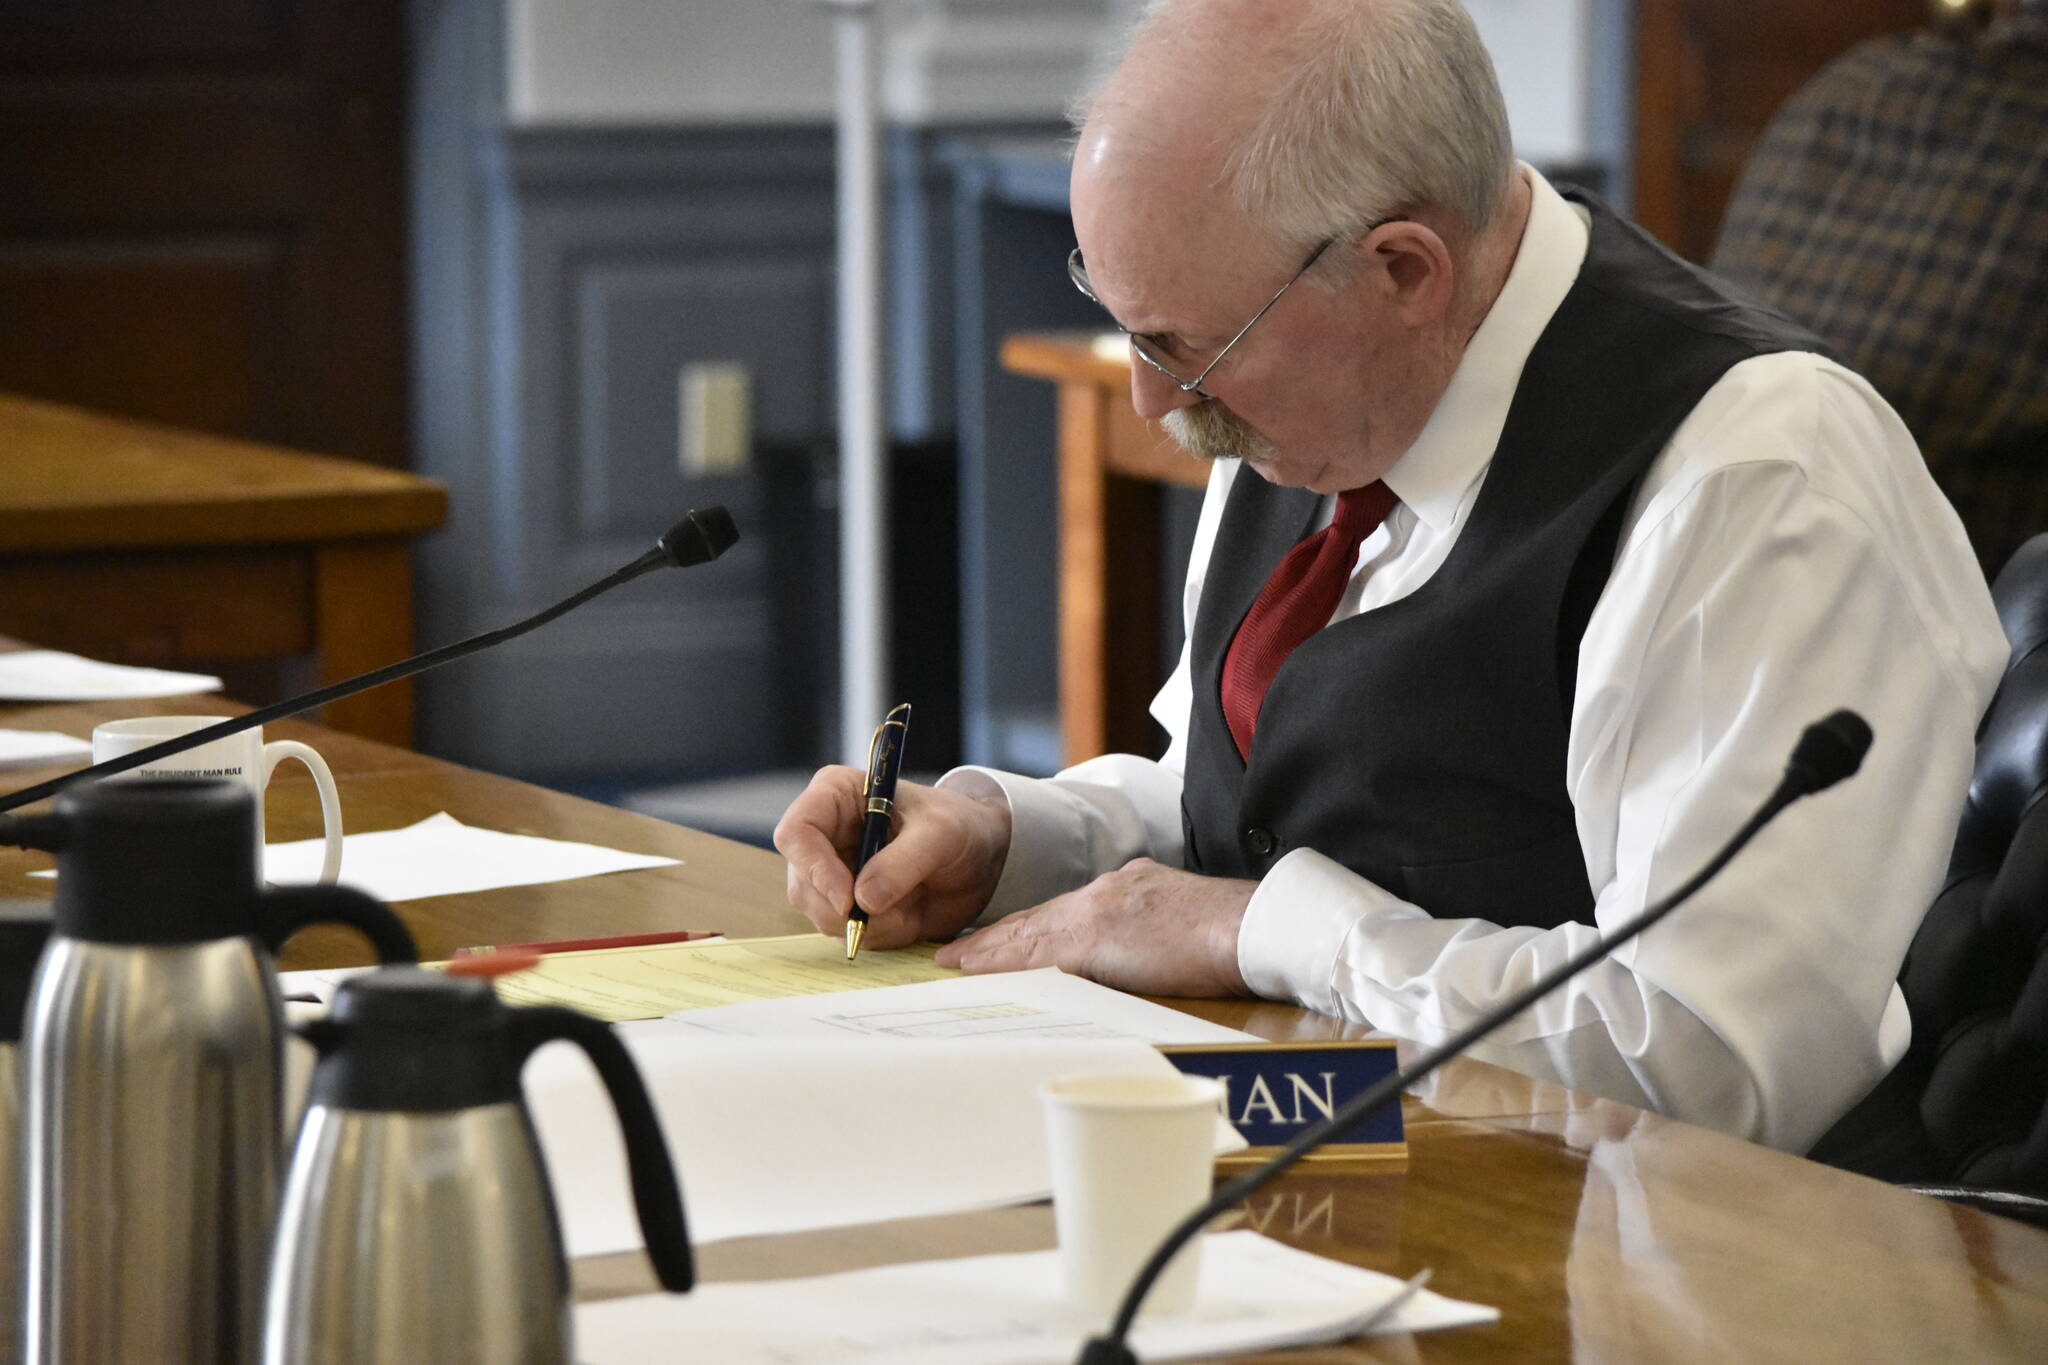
(410, 1040)
(24, 929)
(161, 860)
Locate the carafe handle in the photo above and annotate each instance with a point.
(656, 1196)
(284, 910)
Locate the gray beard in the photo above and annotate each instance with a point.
(1209, 432)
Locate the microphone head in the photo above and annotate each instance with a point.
(1830, 750)
(705, 534)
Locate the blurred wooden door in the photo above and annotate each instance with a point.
(1709, 76)
(202, 215)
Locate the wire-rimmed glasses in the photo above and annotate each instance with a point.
(1077, 271)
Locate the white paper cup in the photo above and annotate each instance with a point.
(1132, 1155)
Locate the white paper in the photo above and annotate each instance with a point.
(440, 856)
(1256, 1295)
(772, 1135)
(31, 748)
(1034, 1006)
(50, 675)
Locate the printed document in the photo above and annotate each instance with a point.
(1033, 1006)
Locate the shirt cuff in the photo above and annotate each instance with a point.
(1044, 826)
(1306, 909)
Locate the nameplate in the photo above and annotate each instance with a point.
(1271, 1091)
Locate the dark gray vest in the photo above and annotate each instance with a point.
(1422, 744)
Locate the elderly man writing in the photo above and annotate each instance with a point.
(1527, 552)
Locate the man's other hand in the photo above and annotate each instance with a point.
(1146, 927)
(933, 877)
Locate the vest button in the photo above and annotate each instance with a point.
(1261, 840)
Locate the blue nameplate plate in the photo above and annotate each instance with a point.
(1271, 1091)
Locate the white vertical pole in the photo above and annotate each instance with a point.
(863, 460)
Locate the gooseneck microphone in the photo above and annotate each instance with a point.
(703, 535)
(1830, 749)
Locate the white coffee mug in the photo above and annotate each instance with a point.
(242, 758)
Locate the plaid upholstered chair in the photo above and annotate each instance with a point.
(1965, 1112)
(1898, 206)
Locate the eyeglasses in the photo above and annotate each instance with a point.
(1078, 273)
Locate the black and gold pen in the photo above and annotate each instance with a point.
(878, 796)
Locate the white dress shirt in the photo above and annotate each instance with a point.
(1786, 554)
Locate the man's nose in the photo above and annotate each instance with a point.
(1153, 395)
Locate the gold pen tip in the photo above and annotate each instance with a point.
(855, 931)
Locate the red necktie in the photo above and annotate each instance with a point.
(1297, 601)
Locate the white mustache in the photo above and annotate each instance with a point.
(1211, 432)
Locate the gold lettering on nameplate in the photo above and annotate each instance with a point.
(1260, 1100)
(1261, 1097)
(1325, 1100)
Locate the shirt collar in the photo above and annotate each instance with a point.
(1457, 443)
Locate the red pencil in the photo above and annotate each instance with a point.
(577, 945)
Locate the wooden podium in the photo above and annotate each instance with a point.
(1112, 463)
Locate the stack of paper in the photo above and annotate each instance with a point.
(743, 1102)
(758, 1129)
(744, 1091)
(1256, 1295)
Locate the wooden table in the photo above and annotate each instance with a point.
(1602, 1233)
(145, 544)
(1112, 462)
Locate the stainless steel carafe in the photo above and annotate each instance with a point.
(417, 1222)
(24, 930)
(151, 1059)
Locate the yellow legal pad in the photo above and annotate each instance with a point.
(616, 984)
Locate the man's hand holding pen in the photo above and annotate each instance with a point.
(929, 881)
(1147, 928)
(885, 863)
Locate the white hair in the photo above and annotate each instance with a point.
(1388, 106)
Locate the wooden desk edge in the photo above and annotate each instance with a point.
(332, 515)
(301, 497)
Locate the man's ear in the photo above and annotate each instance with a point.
(1409, 266)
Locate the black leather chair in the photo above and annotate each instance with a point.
(1965, 1113)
